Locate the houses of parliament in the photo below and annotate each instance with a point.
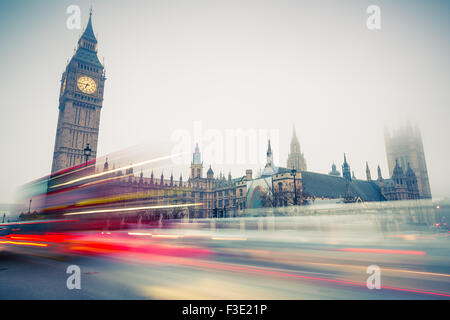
(80, 104)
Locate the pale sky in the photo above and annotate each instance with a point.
(233, 65)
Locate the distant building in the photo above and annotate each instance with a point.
(333, 171)
(296, 160)
(213, 196)
(318, 186)
(275, 186)
(405, 146)
(401, 186)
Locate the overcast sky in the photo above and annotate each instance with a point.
(260, 65)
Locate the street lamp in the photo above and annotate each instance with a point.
(87, 152)
(294, 172)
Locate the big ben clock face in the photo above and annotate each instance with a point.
(86, 84)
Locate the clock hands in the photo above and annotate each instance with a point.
(86, 85)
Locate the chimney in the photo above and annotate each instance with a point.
(248, 174)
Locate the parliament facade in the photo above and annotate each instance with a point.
(80, 103)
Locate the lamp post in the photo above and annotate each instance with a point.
(294, 172)
(87, 152)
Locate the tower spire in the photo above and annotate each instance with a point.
(368, 176)
(197, 164)
(379, 173)
(269, 155)
(88, 40)
(89, 31)
(346, 169)
(295, 160)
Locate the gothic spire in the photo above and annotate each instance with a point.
(379, 173)
(368, 176)
(346, 169)
(196, 156)
(409, 170)
(210, 173)
(295, 144)
(89, 31)
(87, 46)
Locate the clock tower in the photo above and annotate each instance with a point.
(80, 104)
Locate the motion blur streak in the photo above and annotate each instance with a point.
(136, 208)
(37, 222)
(388, 251)
(107, 179)
(275, 253)
(284, 274)
(384, 269)
(118, 169)
(167, 236)
(24, 243)
(230, 238)
(57, 238)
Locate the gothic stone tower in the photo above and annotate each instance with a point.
(346, 169)
(405, 144)
(296, 160)
(80, 103)
(197, 164)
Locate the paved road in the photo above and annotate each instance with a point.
(265, 259)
